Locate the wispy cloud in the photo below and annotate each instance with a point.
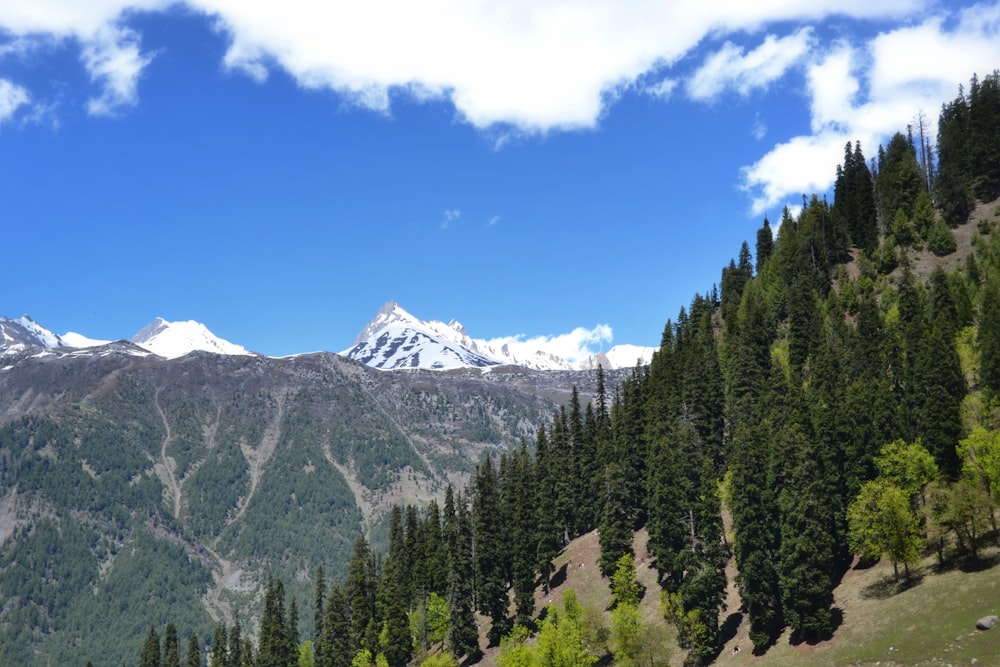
(493, 221)
(12, 97)
(450, 215)
(115, 63)
(731, 68)
(577, 344)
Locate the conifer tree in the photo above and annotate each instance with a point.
(193, 656)
(171, 647)
(491, 582)
(150, 656)
(954, 179)
(807, 556)
(765, 244)
(234, 655)
(984, 133)
(989, 338)
(898, 179)
(398, 644)
(756, 532)
(220, 649)
(546, 531)
(524, 542)
(319, 598)
(359, 591)
(275, 645)
(615, 532)
(335, 644)
(463, 636)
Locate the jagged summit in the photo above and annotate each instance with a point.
(395, 339)
(23, 333)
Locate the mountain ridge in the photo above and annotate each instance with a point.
(394, 339)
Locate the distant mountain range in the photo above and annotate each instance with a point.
(394, 339)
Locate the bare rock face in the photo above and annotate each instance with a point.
(987, 622)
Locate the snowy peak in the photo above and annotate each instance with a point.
(396, 339)
(175, 339)
(23, 333)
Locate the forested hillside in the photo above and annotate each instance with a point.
(836, 396)
(136, 489)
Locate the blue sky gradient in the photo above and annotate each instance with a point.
(148, 167)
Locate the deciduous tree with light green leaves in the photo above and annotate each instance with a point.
(980, 454)
(881, 522)
(908, 466)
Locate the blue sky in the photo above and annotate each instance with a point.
(278, 171)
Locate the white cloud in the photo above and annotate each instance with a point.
(759, 130)
(572, 346)
(663, 89)
(530, 66)
(494, 220)
(114, 61)
(729, 67)
(869, 92)
(450, 215)
(12, 97)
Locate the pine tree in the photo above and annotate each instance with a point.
(524, 542)
(234, 655)
(171, 647)
(765, 244)
(319, 598)
(150, 656)
(807, 556)
(984, 133)
(898, 179)
(546, 530)
(398, 645)
(756, 532)
(616, 525)
(335, 644)
(359, 590)
(463, 637)
(989, 338)
(491, 550)
(220, 651)
(275, 648)
(193, 657)
(954, 179)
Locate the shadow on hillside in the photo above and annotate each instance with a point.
(886, 587)
(970, 564)
(730, 626)
(559, 578)
(836, 620)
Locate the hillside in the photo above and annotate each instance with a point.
(931, 622)
(204, 469)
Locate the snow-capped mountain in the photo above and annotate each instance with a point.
(397, 339)
(175, 339)
(23, 333)
(163, 338)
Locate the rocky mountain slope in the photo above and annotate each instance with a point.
(148, 488)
